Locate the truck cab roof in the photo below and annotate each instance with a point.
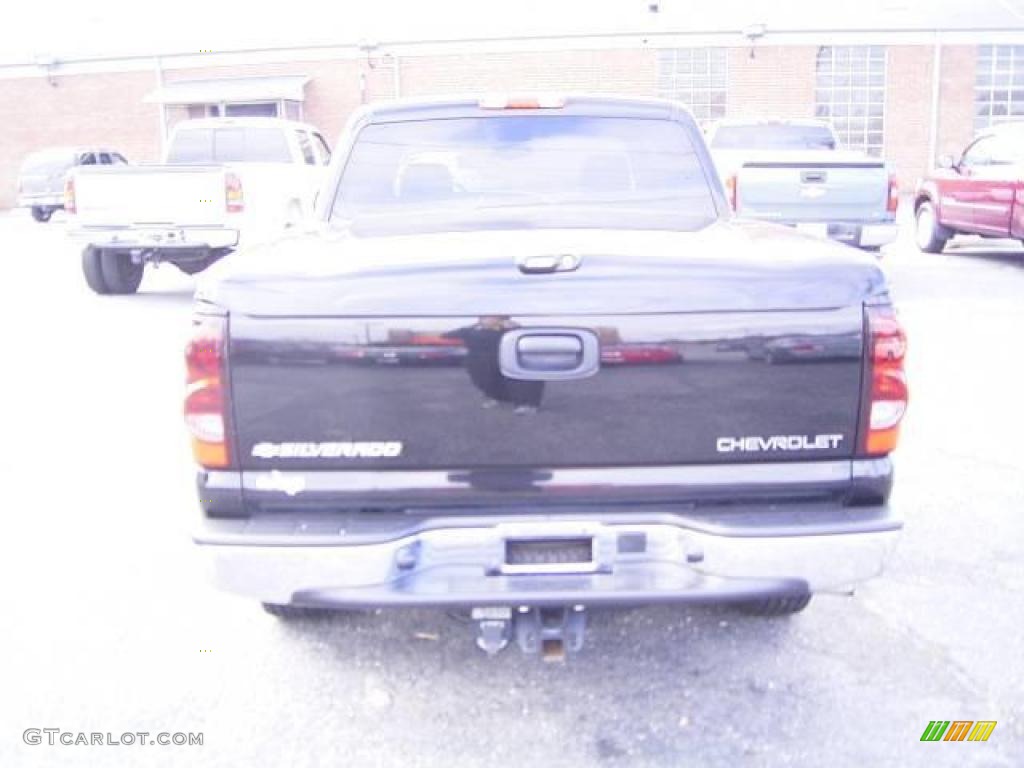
(1013, 128)
(243, 122)
(811, 122)
(68, 150)
(497, 104)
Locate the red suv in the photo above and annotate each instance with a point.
(981, 193)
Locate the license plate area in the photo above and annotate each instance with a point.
(549, 555)
(169, 236)
(813, 228)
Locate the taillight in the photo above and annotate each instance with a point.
(206, 395)
(731, 190)
(69, 196)
(500, 101)
(233, 198)
(888, 386)
(894, 194)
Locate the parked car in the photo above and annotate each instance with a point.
(42, 176)
(538, 481)
(981, 192)
(794, 172)
(639, 354)
(224, 181)
(807, 347)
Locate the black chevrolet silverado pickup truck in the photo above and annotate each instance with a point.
(526, 362)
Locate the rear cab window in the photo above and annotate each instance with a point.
(242, 144)
(508, 171)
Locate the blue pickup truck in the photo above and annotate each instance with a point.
(794, 172)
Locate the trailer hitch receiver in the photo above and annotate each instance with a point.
(552, 632)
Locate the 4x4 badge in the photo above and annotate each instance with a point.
(290, 483)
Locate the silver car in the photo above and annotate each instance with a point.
(42, 175)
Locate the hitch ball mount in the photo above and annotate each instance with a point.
(553, 632)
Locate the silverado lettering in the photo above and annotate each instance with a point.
(327, 450)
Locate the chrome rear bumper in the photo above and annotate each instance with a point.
(40, 200)
(876, 235)
(858, 234)
(156, 238)
(633, 563)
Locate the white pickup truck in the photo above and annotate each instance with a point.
(224, 181)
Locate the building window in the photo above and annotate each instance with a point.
(697, 77)
(262, 109)
(999, 84)
(235, 109)
(850, 92)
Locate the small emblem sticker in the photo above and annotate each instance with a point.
(284, 482)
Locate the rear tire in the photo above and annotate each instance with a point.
(776, 606)
(193, 267)
(288, 612)
(41, 214)
(93, 270)
(121, 275)
(931, 236)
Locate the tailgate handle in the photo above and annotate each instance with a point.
(546, 264)
(549, 354)
(813, 177)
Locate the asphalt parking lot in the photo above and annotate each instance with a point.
(109, 625)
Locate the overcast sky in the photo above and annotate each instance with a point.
(68, 29)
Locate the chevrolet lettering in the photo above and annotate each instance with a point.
(755, 444)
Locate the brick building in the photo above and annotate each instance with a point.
(903, 81)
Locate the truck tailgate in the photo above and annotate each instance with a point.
(150, 195)
(435, 393)
(358, 353)
(41, 182)
(795, 190)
